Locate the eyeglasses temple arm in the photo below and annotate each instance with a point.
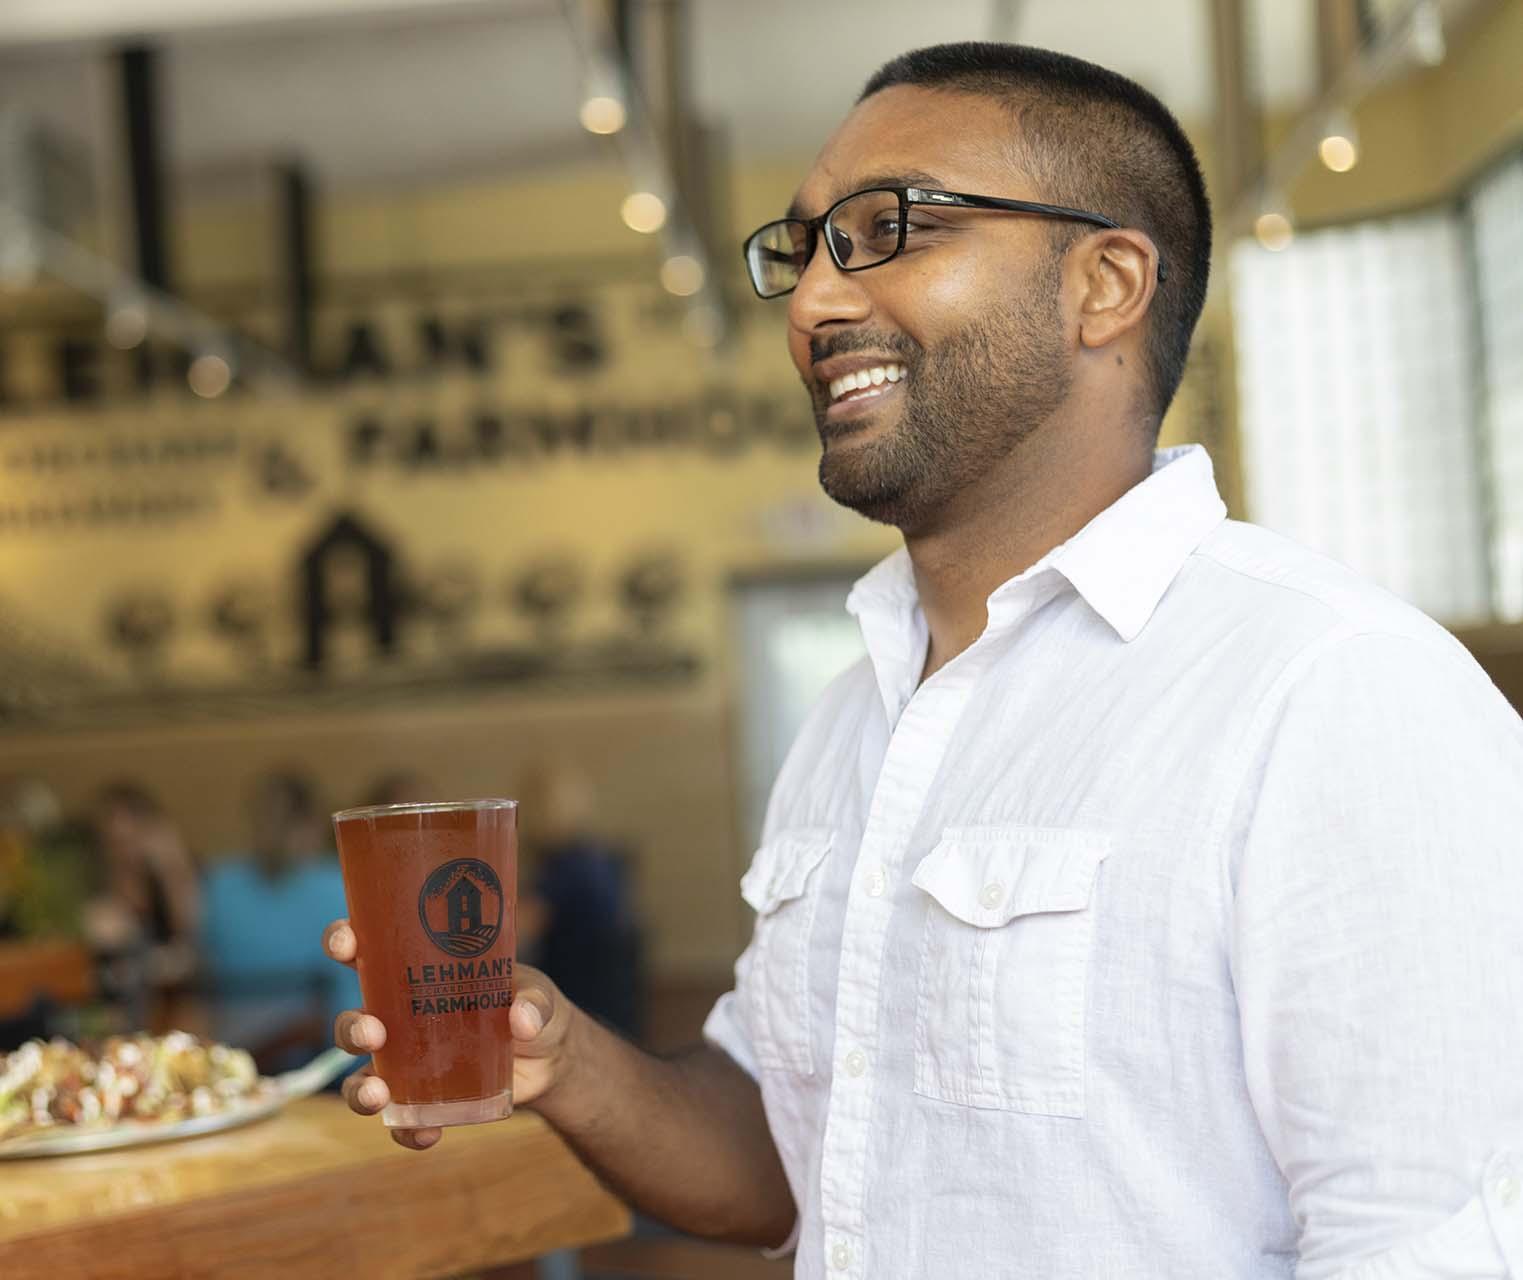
(916, 195)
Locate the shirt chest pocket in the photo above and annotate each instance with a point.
(1004, 960)
(777, 888)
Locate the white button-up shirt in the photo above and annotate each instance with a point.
(1173, 929)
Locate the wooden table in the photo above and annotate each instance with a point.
(315, 1191)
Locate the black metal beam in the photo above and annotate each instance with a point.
(145, 164)
(622, 22)
(299, 293)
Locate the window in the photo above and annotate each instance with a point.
(1359, 404)
(1495, 211)
(795, 637)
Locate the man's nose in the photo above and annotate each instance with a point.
(825, 294)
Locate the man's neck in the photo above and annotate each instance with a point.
(1054, 485)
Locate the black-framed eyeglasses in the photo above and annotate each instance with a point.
(867, 229)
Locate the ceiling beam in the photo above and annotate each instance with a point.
(1239, 121)
(142, 120)
(1339, 36)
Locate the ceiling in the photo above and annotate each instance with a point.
(389, 91)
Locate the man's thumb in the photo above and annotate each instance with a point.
(531, 1012)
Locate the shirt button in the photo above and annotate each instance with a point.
(1506, 1188)
(856, 1062)
(991, 895)
(840, 1257)
(877, 882)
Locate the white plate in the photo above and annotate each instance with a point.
(273, 1094)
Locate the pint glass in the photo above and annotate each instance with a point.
(432, 891)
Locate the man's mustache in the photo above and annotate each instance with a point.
(846, 344)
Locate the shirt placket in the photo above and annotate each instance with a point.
(916, 747)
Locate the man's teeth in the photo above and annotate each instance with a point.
(864, 378)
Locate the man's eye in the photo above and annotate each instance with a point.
(915, 226)
(885, 228)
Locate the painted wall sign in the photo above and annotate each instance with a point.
(546, 488)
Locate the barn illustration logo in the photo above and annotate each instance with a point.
(460, 905)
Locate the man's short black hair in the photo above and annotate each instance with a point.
(1092, 139)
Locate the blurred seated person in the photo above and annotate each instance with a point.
(144, 918)
(46, 862)
(28, 809)
(43, 864)
(577, 918)
(275, 993)
(403, 786)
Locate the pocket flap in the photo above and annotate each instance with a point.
(782, 868)
(986, 876)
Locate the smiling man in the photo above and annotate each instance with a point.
(1147, 902)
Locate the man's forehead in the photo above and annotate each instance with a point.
(910, 136)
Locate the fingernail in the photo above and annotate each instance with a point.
(371, 1093)
(343, 940)
(535, 1017)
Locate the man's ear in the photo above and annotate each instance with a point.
(1119, 269)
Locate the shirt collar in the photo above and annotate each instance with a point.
(1125, 559)
(1122, 562)
(887, 606)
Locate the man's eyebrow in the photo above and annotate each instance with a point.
(899, 178)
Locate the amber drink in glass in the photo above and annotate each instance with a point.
(432, 891)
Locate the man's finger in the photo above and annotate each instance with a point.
(365, 1092)
(417, 1139)
(358, 1032)
(338, 942)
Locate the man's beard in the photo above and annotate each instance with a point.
(968, 402)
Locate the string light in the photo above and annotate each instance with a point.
(1328, 126)
(1339, 148)
(127, 324)
(682, 274)
(209, 375)
(610, 103)
(644, 211)
(603, 114)
(1273, 230)
(604, 109)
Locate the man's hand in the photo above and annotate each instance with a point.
(539, 1018)
(683, 1139)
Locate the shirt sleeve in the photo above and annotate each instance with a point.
(726, 1028)
(1378, 959)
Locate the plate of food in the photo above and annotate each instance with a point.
(59, 1098)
